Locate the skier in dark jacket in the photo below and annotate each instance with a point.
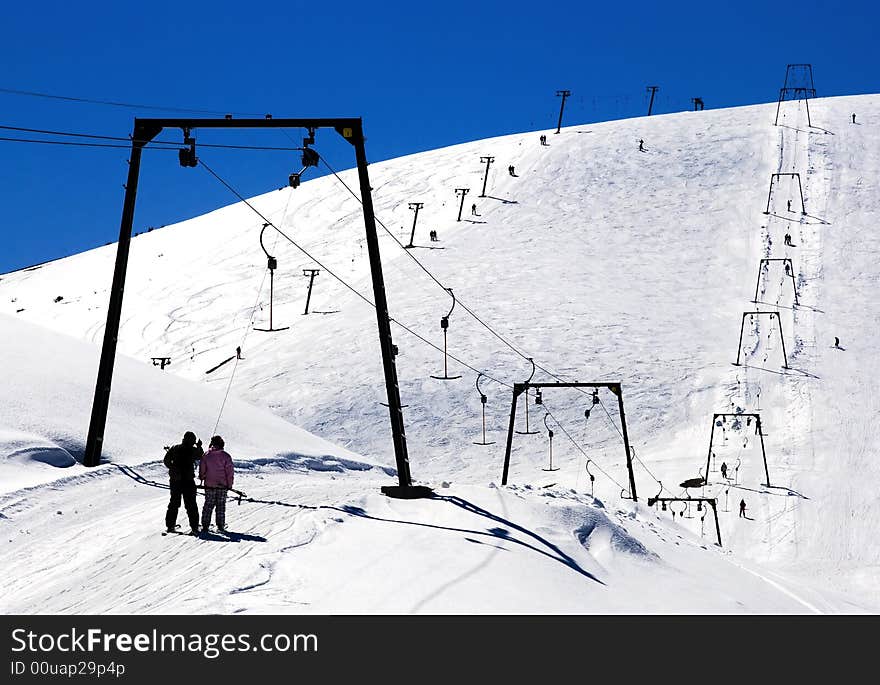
(742, 509)
(181, 461)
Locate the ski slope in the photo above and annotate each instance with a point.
(603, 264)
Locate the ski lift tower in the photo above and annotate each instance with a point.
(351, 130)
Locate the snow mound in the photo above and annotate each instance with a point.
(602, 539)
(21, 448)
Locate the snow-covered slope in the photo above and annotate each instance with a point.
(48, 383)
(602, 263)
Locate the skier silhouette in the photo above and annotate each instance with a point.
(787, 240)
(837, 342)
(238, 352)
(787, 269)
(641, 145)
(789, 205)
(510, 170)
(854, 118)
(742, 509)
(724, 469)
(474, 210)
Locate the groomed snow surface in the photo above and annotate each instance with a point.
(601, 262)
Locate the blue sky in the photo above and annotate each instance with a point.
(422, 75)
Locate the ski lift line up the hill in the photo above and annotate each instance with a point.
(520, 388)
(463, 305)
(786, 262)
(361, 296)
(759, 431)
(805, 91)
(772, 315)
(351, 129)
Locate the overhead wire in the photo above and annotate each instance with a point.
(433, 277)
(248, 328)
(474, 314)
(339, 278)
(580, 449)
(129, 105)
(176, 145)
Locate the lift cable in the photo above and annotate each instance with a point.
(12, 91)
(339, 278)
(632, 449)
(71, 143)
(130, 140)
(580, 449)
(470, 311)
(368, 301)
(250, 324)
(437, 281)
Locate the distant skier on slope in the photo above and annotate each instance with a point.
(180, 461)
(511, 171)
(789, 205)
(854, 118)
(724, 469)
(787, 240)
(217, 472)
(742, 509)
(641, 145)
(474, 210)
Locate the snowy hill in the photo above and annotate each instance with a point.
(602, 263)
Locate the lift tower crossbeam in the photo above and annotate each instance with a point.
(351, 129)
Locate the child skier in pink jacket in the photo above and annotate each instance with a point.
(217, 474)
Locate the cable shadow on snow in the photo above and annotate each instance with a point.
(786, 372)
(497, 533)
(794, 308)
(810, 129)
(798, 219)
(787, 492)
